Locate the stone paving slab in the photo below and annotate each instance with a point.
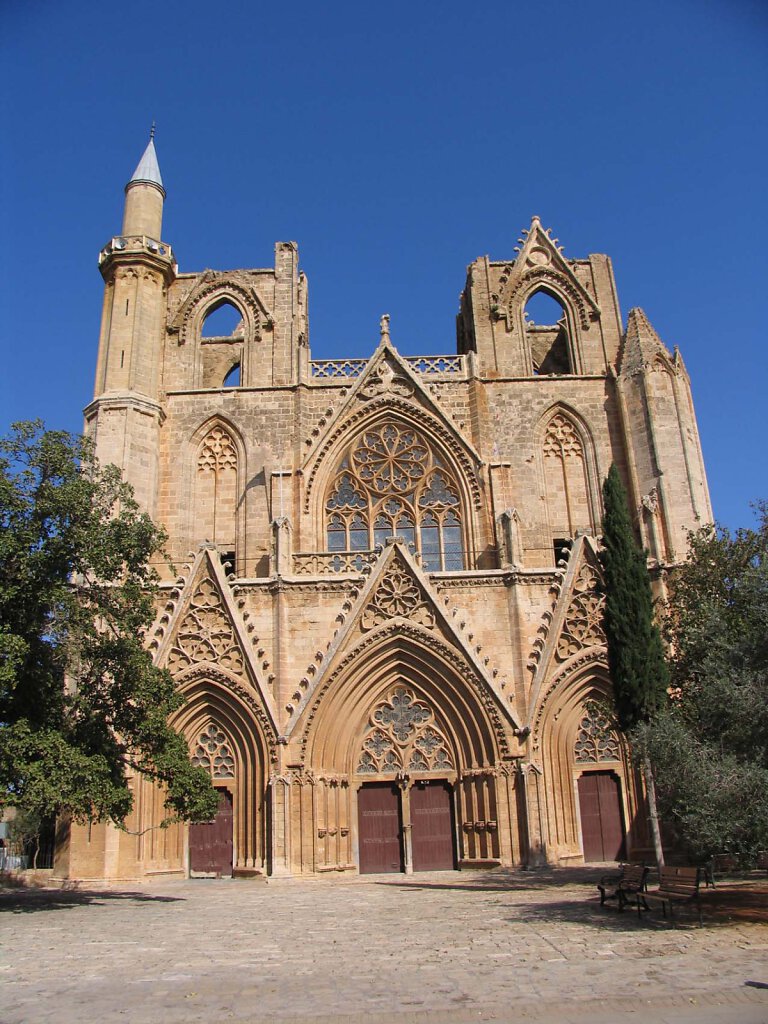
(441, 948)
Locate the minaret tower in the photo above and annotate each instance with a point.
(126, 413)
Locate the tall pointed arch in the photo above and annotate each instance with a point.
(569, 476)
(217, 471)
(391, 473)
(219, 726)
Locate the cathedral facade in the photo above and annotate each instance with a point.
(385, 613)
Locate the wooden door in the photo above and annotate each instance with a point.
(210, 843)
(602, 829)
(379, 828)
(432, 832)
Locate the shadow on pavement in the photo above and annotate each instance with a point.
(743, 901)
(31, 901)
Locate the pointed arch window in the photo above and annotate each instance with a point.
(546, 329)
(566, 479)
(215, 506)
(391, 482)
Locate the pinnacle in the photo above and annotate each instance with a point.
(641, 342)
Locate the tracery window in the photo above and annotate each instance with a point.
(565, 476)
(215, 504)
(596, 741)
(403, 735)
(213, 753)
(391, 482)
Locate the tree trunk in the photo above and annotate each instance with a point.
(653, 813)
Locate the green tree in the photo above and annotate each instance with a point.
(635, 654)
(81, 703)
(710, 747)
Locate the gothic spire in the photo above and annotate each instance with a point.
(148, 169)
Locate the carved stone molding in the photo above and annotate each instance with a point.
(583, 625)
(397, 595)
(206, 633)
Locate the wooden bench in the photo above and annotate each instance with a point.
(629, 882)
(676, 885)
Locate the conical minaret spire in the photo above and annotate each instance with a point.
(144, 195)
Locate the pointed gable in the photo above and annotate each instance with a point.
(398, 598)
(541, 264)
(388, 390)
(574, 626)
(203, 626)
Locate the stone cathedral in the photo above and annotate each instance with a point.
(385, 613)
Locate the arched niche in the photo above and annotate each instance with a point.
(212, 705)
(215, 470)
(568, 474)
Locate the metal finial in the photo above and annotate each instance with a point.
(152, 131)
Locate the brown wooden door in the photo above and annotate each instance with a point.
(602, 830)
(379, 828)
(432, 827)
(210, 843)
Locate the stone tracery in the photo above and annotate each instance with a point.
(206, 634)
(398, 594)
(583, 625)
(596, 741)
(213, 752)
(390, 482)
(402, 735)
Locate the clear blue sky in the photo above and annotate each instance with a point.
(396, 142)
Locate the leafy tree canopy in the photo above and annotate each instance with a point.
(82, 706)
(710, 748)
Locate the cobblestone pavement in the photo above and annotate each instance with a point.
(442, 948)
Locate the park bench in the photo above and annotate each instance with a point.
(628, 883)
(676, 885)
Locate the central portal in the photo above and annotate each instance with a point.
(380, 828)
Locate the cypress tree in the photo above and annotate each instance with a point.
(635, 654)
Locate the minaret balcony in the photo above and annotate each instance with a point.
(137, 246)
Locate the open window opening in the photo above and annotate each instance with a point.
(232, 380)
(228, 560)
(546, 329)
(223, 321)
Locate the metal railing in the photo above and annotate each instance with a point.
(349, 369)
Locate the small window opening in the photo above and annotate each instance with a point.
(228, 560)
(122, 358)
(562, 547)
(222, 322)
(546, 328)
(232, 380)
(126, 306)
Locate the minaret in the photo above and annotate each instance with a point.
(125, 415)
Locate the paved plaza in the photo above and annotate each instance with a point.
(440, 948)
